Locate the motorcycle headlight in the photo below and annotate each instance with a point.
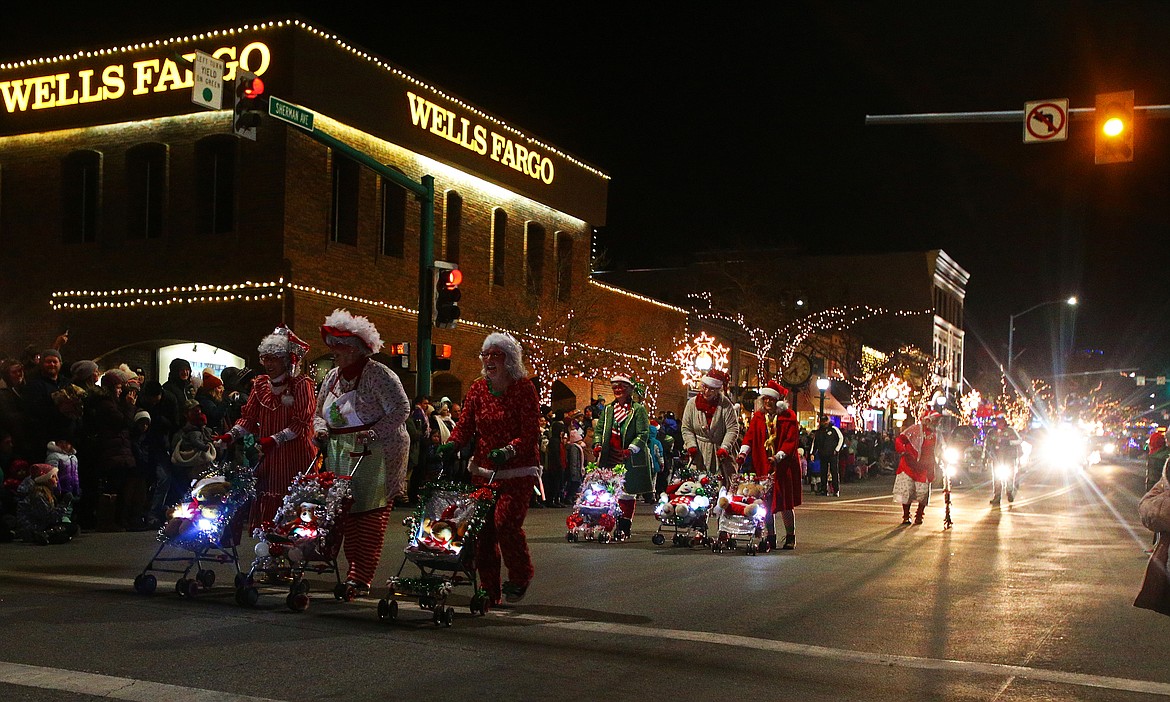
(1003, 472)
(951, 455)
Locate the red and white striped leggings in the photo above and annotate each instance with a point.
(363, 535)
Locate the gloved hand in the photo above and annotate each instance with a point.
(266, 442)
(622, 455)
(445, 450)
(224, 439)
(780, 455)
(740, 458)
(597, 450)
(692, 451)
(721, 453)
(498, 456)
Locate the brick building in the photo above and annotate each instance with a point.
(137, 220)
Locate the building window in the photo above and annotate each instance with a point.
(534, 257)
(454, 225)
(499, 231)
(564, 266)
(215, 164)
(344, 221)
(393, 219)
(81, 176)
(146, 189)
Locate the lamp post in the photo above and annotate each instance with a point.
(1071, 302)
(822, 386)
(891, 396)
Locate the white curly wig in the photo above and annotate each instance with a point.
(513, 362)
(344, 327)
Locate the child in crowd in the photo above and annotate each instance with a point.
(194, 451)
(43, 516)
(63, 457)
(574, 465)
(143, 474)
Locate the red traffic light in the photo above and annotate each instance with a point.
(453, 278)
(442, 350)
(254, 89)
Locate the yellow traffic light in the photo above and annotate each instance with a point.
(1114, 134)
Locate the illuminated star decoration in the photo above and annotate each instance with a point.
(698, 356)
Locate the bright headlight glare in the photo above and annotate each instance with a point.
(1003, 472)
(951, 455)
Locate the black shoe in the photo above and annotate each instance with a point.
(622, 532)
(768, 544)
(359, 589)
(513, 593)
(789, 542)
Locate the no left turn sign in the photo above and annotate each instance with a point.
(1046, 120)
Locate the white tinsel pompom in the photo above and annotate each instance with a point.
(262, 549)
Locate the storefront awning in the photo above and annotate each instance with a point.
(810, 401)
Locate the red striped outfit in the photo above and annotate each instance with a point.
(290, 421)
(495, 421)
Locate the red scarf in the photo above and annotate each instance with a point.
(705, 407)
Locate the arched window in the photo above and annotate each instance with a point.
(344, 220)
(215, 183)
(81, 194)
(393, 218)
(499, 236)
(146, 190)
(454, 225)
(534, 257)
(564, 254)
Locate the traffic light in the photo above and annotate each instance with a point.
(1114, 135)
(447, 294)
(441, 357)
(249, 105)
(400, 353)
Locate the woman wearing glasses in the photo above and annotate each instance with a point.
(621, 435)
(361, 411)
(501, 414)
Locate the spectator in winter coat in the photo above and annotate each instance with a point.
(45, 418)
(43, 516)
(62, 456)
(178, 390)
(158, 438)
(574, 465)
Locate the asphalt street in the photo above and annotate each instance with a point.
(1029, 601)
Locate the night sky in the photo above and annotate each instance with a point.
(734, 126)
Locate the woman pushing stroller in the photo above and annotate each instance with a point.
(501, 414)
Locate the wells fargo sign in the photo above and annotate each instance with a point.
(118, 80)
(477, 138)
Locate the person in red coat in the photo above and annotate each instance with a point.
(279, 413)
(769, 449)
(501, 414)
(916, 466)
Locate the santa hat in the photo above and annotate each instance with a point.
(622, 379)
(283, 342)
(716, 378)
(774, 390)
(198, 486)
(43, 473)
(929, 415)
(210, 381)
(343, 325)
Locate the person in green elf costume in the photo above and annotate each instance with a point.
(620, 437)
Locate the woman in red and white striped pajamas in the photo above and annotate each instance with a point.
(362, 411)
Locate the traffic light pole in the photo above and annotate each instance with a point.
(424, 192)
(1075, 114)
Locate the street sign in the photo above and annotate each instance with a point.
(1046, 120)
(207, 90)
(288, 112)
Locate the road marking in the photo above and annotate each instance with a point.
(111, 686)
(840, 654)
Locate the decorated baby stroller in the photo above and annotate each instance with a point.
(596, 512)
(742, 513)
(443, 532)
(302, 536)
(684, 507)
(206, 527)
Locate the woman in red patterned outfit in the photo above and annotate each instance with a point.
(770, 447)
(502, 415)
(279, 412)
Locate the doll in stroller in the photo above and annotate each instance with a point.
(206, 527)
(596, 512)
(684, 506)
(443, 532)
(303, 536)
(742, 509)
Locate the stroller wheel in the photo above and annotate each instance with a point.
(206, 578)
(241, 580)
(301, 587)
(437, 617)
(182, 588)
(750, 549)
(448, 616)
(339, 591)
(478, 605)
(297, 601)
(603, 537)
(658, 539)
(732, 545)
(569, 537)
(145, 583)
(247, 596)
(190, 587)
(387, 610)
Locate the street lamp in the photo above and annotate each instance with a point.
(891, 395)
(1071, 302)
(822, 385)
